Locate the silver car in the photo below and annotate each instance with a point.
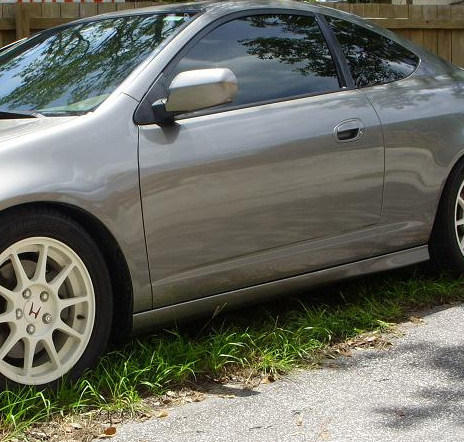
(164, 163)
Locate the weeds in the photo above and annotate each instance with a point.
(266, 339)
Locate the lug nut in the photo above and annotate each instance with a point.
(30, 329)
(19, 313)
(44, 296)
(47, 318)
(26, 294)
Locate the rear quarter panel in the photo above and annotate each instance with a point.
(423, 124)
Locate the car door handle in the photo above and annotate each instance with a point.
(349, 130)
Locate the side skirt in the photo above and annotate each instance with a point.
(146, 321)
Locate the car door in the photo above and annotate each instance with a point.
(284, 180)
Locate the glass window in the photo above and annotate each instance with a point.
(73, 69)
(373, 58)
(273, 57)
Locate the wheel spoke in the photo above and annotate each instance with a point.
(70, 302)
(61, 277)
(40, 270)
(29, 351)
(65, 328)
(7, 294)
(51, 351)
(9, 343)
(460, 222)
(7, 317)
(461, 201)
(21, 276)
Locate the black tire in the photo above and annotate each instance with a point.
(446, 253)
(30, 224)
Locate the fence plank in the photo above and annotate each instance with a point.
(88, 9)
(50, 10)
(371, 10)
(70, 10)
(444, 36)
(357, 8)
(22, 22)
(103, 8)
(429, 13)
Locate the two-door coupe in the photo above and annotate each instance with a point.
(162, 163)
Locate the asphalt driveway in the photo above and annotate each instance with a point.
(413, 391)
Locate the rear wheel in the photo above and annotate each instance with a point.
(55, 299)
(447, 239)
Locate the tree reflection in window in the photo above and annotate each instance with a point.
(373, 58)
(272, 56)
(75, 68)
(300, 44)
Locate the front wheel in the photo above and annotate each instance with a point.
(447, 240)
(55, 299)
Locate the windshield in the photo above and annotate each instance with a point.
(72, 70)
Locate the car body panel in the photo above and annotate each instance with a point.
(240, 197)
(212, 305)
(19, 127)
(423, 124)
(88, 162)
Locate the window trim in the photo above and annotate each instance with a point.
(335, 46)
(158, 89)
(374, 31)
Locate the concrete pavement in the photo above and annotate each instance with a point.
(413, 391)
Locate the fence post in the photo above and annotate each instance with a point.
(22, 21)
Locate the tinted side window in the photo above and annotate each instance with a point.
(272, 56)
(373, 58)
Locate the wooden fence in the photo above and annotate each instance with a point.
(438, 28)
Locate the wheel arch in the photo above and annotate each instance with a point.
(121, 282)
(457, 161)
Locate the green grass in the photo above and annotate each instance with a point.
(268, 339)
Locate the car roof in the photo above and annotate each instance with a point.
(219, 7)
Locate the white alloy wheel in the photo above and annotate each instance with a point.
(47, 310)
(459, 218)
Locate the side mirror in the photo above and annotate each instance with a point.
(195, 90)
(200, 89)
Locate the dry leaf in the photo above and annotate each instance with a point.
(171, 393)
(267, 379)
(161, 414)
(110, 431)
